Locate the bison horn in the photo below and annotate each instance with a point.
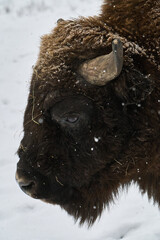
(103, 69)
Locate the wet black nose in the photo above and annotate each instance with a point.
(26, 185)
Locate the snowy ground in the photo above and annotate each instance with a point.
(22, 218)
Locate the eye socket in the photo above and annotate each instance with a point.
(72, 119)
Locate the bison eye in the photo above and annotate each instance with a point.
(72, 119)
(72, 114)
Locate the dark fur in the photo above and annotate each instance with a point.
(126, 115)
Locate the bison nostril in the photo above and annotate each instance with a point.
(27, 186)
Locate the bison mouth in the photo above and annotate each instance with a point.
(26, 185)
(33, 185)
(40, 187)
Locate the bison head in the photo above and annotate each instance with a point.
(82, 120)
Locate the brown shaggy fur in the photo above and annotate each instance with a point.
(126, 117)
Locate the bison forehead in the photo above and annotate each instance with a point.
(83, 39)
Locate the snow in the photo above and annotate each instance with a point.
(96, 139)
(21, 217)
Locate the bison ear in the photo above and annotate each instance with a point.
(60, 20)
(136, 83)
(103, 69)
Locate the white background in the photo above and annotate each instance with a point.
(22, 218)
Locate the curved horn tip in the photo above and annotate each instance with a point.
(115, 41)
(117, 45)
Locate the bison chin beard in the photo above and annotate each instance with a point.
(88, 205)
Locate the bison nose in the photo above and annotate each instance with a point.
(26, 185)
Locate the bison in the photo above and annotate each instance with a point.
(92, 121)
